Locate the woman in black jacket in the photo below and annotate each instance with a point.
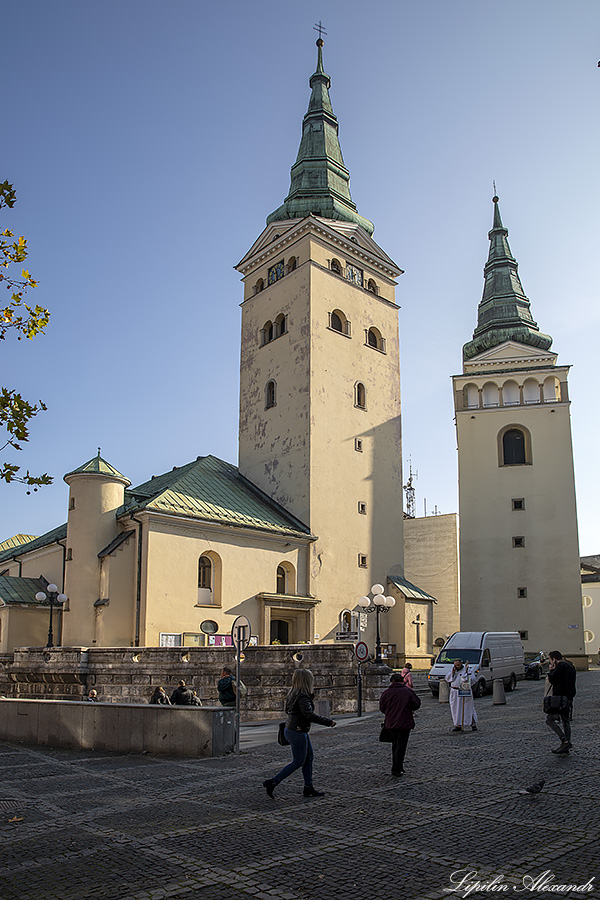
(300, 709)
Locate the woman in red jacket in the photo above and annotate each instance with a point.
(398, 703)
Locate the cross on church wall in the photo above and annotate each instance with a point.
(418, 623)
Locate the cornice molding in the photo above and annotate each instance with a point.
(330, 235)
(182, 525)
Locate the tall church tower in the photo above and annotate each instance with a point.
(519, 554)
(320, 379)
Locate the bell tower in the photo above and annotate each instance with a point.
(320, 381)
(519, 554)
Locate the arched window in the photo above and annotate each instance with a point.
(267, 332)
(360, 395)
(371, 286)
(205, 572)
(286, 578)
(510, 393)
(513, 447)
(339, 322)
(336, 266)
(259, 286)
(531, 391)
(209, 579)
(471, 396)
(281, 580)
(270, 394)
(551, 389)
(280, 324)
(374, 339)
(491, 396)
(292, 263)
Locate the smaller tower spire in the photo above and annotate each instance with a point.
(504, 312)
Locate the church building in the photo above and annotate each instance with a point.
(313, 516)
(519, 556)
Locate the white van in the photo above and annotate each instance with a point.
(489, 655)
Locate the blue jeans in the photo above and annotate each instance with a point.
(302, 756)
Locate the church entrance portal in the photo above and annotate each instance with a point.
(280, 631)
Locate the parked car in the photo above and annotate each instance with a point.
(537, 665)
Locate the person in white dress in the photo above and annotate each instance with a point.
(462, 705)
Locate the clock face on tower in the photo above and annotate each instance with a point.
(355, 275)
(275, 272)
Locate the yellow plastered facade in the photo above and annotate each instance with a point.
(519, 561)
(331, 457)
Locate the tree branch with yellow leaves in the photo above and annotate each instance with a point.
(25, 321)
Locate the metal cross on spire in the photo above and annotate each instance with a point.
(320, 28)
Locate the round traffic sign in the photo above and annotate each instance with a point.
(361, 651)
(240, 632)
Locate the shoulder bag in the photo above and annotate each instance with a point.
(555, 705)
(385, 735)
(281, 738)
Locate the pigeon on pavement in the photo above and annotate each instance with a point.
(534, 788)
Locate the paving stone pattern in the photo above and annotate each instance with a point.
(89, 825)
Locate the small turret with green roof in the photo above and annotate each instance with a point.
(504, 312)
(98, 466)
(320, 183)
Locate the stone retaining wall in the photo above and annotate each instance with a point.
(125, 728)
(129, 675)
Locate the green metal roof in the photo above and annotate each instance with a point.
(17, 540)
(98, 466)
(213, 490)
(21, 590)
(320, 182)
(504, 312)
(410, 590)
(51, 537)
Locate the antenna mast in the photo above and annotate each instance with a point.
(409, 490)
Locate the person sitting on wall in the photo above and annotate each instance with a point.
(93, 696)
(160, 696)
(226, 687)
(182, 696)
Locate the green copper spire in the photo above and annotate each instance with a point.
(320, 181)
(503, 313)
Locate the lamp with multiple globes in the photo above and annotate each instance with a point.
(54, 598)
(377, 604)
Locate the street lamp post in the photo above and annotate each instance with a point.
(53, 598)
(378, 604)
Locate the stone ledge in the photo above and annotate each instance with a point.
(189, 731)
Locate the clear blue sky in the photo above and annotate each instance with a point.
(148, 141)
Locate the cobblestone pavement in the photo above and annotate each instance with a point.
(88, 825)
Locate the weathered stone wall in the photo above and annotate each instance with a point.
(130, 675)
